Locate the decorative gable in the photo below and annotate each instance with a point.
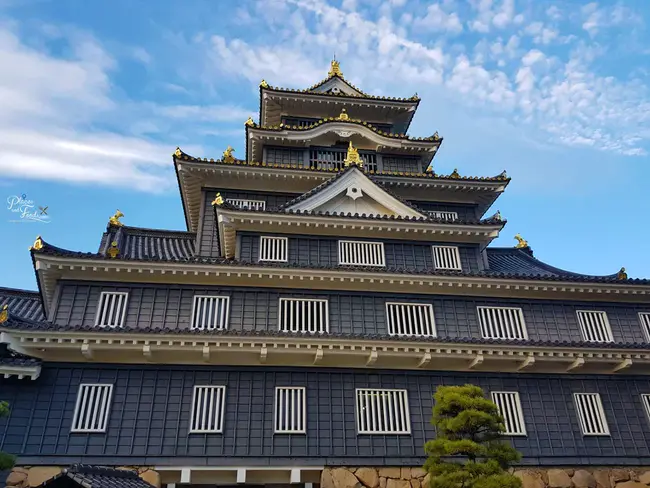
(353, 192)
(337, 86)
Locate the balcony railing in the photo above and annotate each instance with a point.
(332, 159)
(306, 121)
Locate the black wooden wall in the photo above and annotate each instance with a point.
(149, 417)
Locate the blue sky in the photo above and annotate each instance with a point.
(95, 97)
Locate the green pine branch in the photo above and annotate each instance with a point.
(7, 461)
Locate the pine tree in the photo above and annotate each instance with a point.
(468, 451)
(6, 460)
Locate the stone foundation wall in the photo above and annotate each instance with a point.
(531, 478)
(29, 477)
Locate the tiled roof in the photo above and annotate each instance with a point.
(14, 359)
(453, 177)
(144, 244)
(23, 325)
(96, 477)
(22, 303)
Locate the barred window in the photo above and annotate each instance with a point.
(276, 155)
(304, 315)
(210, 312)
(361, 253)
(594, 326)
(290, 410)
(381, 411)
(111, 309)
(502, 323)
(92, 408)
(591, 414)
(510, 409)
(446, 257)
(448, 216)
(402, 163)
(274, 248)
(208, 404)
(644, 318)
(248, 204)
(410, 319)
(645, 400)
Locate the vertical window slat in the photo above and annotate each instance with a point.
(210, 312)
(594, 326)
(111, 309)
(361, 253)
(307, 315)
(274, 248)
(92, 408)
(382, 411)
(591, 414)
(510, 408)
(410, 319)
(502, 323)
(290, 410)
(446, 257)
(207, 409)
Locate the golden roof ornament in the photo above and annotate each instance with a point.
(38, 244)
(178, 153)
(352, 157)
(113, 251)
(343, 115)
(4, 314)
(264, 84)
(454, 174)
(249, 122)
(435, 136)
(521, 242)
(429, 169)
(218, 199)
(115, 219)
(621, 275)
(227, 155)
(335, 69)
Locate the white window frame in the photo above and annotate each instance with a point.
(644, 319)
(456, 257)
(282, 255)
(645, 400)
(216, 417)
(225, 313)
(497, 328)
(382, 417)
(600, 412)
(101, 314)
(420, 310)
(248, 204)
(288, 327)
(443, 215)
(511, 412)
(86, 398)
(371, 251)
(285, 417)
(582, 316)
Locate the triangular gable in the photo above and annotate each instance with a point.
(353, 192)
(337, 85)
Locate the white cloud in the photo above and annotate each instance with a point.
(596, 19)
(499, 14)
(204, 113)
(554, 13)
(533, 56)
(437, 20)
(540, 33)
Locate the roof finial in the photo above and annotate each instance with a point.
(249, 122)
(113, 251)
(227, 155)
(115, 219)
(353, 157)
(38, 244)
(218, 200)
(521, 242)
(343, 115)
(335, 69)
(4, 314)
(621, 275)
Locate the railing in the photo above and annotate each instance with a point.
(306, 121)
(449, 216)
(332, 159)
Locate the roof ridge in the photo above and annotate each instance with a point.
(134, 229)
(31, 294)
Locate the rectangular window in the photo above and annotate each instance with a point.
(591, 414)
(446, 257)
(502, 323)
(410, 319)
(247, 204)
(447, 216)
(208, 403)
(510, 409)
(274, 248)
(594, 326)
(111, 309)
(304, 315)
(644, 318)
(290, 410)
(361, 253)
(210, 313)
(382, 411)
(92, 408)
(645, 399)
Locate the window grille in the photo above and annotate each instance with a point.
(446, 257)
(208, 404)
(645, 399)
(111, 309)
(644, 318)
(510, 409)
(304, 315)
(502, 323)
(381, 411)
(248, 204)
(448, 216)
(276, 155)
(274, 248)
(402, 163)
(410, 319)
(210, 312)
(591, 414)
(361, 253)
(92, 408)
(290, 410)
(594, 326)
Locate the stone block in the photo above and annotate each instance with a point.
(405, 473)
(152, 477)
(415, 483)
(631, 484)
(602, 478)
(394, 473)
(530, 479)
(617, 475)
(558, 478)
(391, 483)
(40, 474)
(418, 473)
(326, 480)
(425, 481)
(645, 477)
(16, 478)
(382, 482)
(342, 478)
(583, 479)
(368, 476)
